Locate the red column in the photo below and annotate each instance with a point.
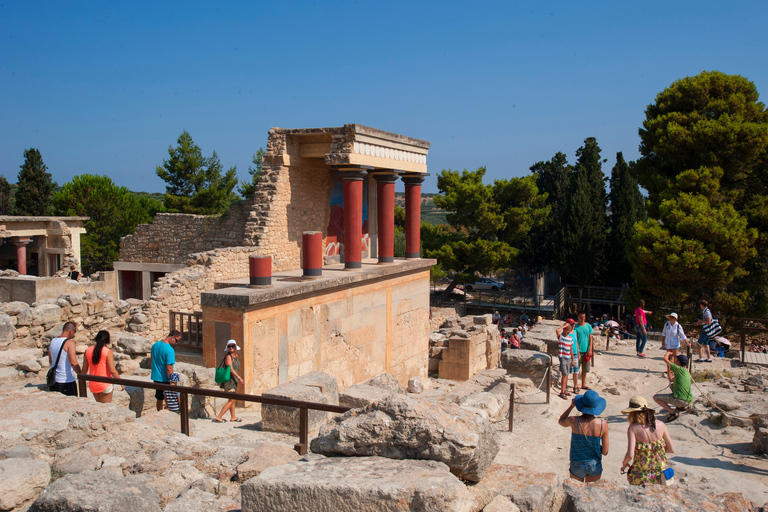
(21, 254)
(260, 270)
(412, 215)
(353, 218)
(312, 253)
(385, 216)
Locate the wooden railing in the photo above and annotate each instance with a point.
(191, 327)
(744, 328)
(184, 391)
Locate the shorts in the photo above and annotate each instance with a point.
(586, 366)
(67, 388)
(672, 344)
(565, 365)
(159, 395)
(669, 399)
(581, 469)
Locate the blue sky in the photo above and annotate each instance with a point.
(105, 87)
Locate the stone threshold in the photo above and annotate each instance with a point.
(235, 293)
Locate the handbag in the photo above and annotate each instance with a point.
(713, 329)
(668, 476)
(223, 373)
(50, 377)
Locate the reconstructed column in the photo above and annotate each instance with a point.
(412, 215)
(385, 209)
(21, 254)
(312, 253)
(353, 217)
(260, 270)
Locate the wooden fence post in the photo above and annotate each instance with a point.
(184, 413)
(511, 406)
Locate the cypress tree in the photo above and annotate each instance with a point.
(627, 207)
(33, 196)
(5, 197)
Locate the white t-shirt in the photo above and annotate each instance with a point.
(673, 334)
(64, 372)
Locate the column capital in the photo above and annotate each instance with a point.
(21, 241)
(352, 172)
(386, 177)
(413, 179)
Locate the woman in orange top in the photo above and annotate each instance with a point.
(99, 360)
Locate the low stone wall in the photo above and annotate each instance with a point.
(464, 346)
(31, 289)
(439, 315)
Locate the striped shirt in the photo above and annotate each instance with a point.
(565, 346)
(172, 399)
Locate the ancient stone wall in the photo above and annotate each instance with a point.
(439, 315)
(464, 346)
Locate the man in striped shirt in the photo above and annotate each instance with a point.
(568, 362)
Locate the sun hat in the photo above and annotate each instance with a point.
(233, 342)
(174, 377)
(636, 403)
(672, 315)
(590, 403)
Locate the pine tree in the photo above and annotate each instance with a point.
(5, 197)
(248, 189)
(627, 208)
(33, 197)
(551, 180)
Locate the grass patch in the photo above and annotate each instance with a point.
(705, 375)
(56, 474)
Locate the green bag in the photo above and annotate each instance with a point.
(223, 373)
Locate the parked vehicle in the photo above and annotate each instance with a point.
(484, 283)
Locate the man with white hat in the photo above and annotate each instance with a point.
(671, 336)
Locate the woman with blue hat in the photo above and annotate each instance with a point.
(589, 436)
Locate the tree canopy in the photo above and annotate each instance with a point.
(627, 208)
(6, 207)
(247, 189)
(704, 144)
(194, 183)
(33, 197)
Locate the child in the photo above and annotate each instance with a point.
(567, 360)
(172, 397)
(504, 342)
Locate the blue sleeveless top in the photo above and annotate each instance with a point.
(585, 448)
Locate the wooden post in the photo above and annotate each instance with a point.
(549, 379)
(184, 413)
(83, 388)
(743, 340)
(302, 446)
(690, 359)
(511, 406)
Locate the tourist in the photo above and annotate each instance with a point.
(706, 319)
(163, 358)
(566, 355)
(496, 317)
(504, 341)
(514, 341)
(680, 381)
(641, 328)
(232, 361)
(589, 436)
(672, 335)
(65, 360)
(100, 361)
(648, 443)
(585, 348)
(74, 274)
(524, 318)
(508, 319)
(172, 397)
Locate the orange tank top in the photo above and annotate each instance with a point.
(97, 369)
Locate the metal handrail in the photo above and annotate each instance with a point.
(304, 407)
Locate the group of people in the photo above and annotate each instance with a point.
(99, 360)
(575, 354)
(524, 321)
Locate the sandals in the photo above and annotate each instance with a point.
(563, 396)
(576, 391)
(238, 420)
(217, 420)
(672, 417)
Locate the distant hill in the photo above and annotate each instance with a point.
(429, 212)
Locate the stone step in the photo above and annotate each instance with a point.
(190, 357)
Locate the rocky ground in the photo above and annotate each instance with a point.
(73, 447)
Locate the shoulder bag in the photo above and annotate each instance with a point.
(223, 373)
(50, 377)
(713, 329)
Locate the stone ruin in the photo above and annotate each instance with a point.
(463, 346)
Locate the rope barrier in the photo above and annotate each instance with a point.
(753, 418)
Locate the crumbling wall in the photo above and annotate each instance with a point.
(464, 346)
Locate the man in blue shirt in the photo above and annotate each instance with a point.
(583, 332)
(163, 358)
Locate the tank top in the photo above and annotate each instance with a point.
(99, 369)
(64, 371)
(585, 448)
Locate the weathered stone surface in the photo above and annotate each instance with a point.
(325, 383)
(21, 480)
(46, 314)
(483, 319)
(728, 405)
(8, 373)
(16, 452)
(415, 385)
(604, 495)
(275, 418)
(400, 427)
(491, 403)
(14, 357)
(172, 482)
(360, 484)
(501, 504)
(760, 441)
(528, 343)
(386, 381)
(263, 457)
(530, 490)
(30, 366)
(131, 343)
(361, 395)
(199, 377)
(7, 330)
(77, 462)
(142, 400)
(164, 419)
(195, 500)
(99, 490)
(525, 361)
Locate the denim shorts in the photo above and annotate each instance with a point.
(581, 469)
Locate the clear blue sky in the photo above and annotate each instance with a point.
(105, 87)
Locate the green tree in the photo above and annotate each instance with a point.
(627, 208)
(114, 213)
(33, 197)
(552, 180)
(704, 143)
(194, 183)
(247, 189)
(6, 208)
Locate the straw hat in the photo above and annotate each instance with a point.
(636, 403)
(672, 315)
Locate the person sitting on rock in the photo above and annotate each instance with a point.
(680, 381)
(514, 340)
(589, 436)
(648, 443)
(496, 317)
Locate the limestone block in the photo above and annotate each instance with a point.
(14, 357)
(368, 484)
(760, 441)
(400, 427)
(21, 479)
(46, 314)
(275, 418)
(196, 500)
(131, 343)
(501, 504)
(386, 381)
(263, 457)
(491, 403)
(533, 344)
(530, 490)
(361, 395)
(99, 490)
(8, 374)
(525, 361)
(325, 383)
(415, 385)
(483, 319)
(434, 364)
(142, 400)
(7, 330)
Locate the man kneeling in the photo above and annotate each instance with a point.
(680, 380)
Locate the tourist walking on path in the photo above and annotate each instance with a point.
(585, 348)
(589, 436)
(641, 328)
(62, 350)
(648, 443)
(671, 336)
(680, 380)
(232, 361)
(706, 319)
(98, 360)
(567, 357)
(163, 358)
